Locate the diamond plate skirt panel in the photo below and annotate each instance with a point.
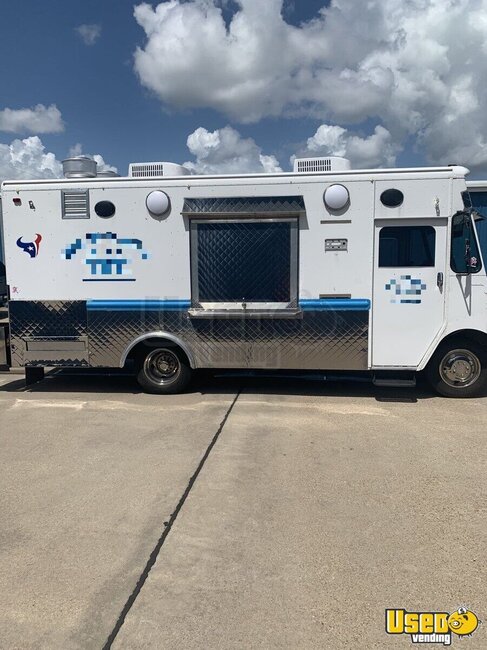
(326, 340)
(51, 321)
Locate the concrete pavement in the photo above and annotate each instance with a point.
(313, 508)
(89, 474)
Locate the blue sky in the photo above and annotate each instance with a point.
(384, 82)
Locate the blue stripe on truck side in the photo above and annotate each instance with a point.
(335, 304)
(316, 304)
(137, 305)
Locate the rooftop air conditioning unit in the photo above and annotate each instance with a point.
(330, 164)
(152, 169)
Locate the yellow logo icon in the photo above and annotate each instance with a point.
(432, 627)
(463, 622)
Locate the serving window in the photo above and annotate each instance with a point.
(244, 264)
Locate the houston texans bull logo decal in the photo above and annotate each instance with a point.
(31, 247)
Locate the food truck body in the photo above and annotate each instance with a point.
(325, 268)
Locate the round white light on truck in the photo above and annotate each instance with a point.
(158, 202)
(336, 197)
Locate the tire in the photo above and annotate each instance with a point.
(163, 371)
(458, 368)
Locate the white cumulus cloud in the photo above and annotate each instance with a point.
(25, 159)
(28, 159)
(39, 119)
(225, 151)
(375, 150)
(89, 34)
(416, 67)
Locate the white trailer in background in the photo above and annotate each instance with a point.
(325, 268)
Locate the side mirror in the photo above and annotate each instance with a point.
(465, 254)
(471, 262)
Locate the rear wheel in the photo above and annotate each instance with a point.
(163, 370)
(458, 369)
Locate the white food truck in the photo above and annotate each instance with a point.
(325, 268)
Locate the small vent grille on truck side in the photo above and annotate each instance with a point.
(155, 169)
(323, 165)
(146, 170)
(75, 204)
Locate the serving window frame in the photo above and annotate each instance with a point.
(252, 308)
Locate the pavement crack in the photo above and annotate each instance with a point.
(167, 529)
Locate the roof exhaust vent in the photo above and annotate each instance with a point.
(154, 169)
(79, 167)
(107, 173)
(330, 164)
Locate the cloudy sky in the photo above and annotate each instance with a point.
(242, 85)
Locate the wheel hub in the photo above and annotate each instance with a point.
(162, 366)
(460, 368)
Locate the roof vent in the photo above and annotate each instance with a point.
(79, 167)
(330, 164)
(107, 173)
(153, 169)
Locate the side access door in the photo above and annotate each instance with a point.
(409, 289)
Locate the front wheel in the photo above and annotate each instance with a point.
(163, 371)
(458, 369)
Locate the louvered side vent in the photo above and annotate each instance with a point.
(155, 169)
(323, 165)
(146, 170)
(75, 204)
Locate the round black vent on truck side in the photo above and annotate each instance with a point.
(105, 209)
(392, 198)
